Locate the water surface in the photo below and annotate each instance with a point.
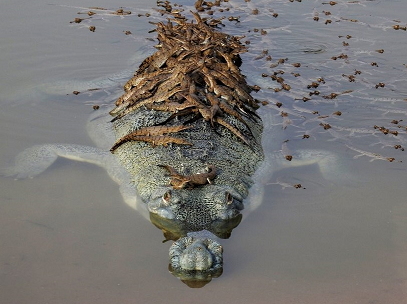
(66, 235)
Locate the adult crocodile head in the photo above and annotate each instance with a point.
(196, 219)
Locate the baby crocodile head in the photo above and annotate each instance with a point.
(196, 258)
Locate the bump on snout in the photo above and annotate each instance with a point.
(196, 258)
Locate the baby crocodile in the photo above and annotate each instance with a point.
(179, 181)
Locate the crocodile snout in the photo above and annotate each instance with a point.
(196, 257)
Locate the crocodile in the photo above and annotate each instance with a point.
(189, 150)
(199, 159)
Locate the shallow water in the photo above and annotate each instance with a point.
(66, 235)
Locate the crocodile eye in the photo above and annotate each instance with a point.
(166, 197)
(229, 198)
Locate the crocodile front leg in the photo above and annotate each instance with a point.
(35, 160)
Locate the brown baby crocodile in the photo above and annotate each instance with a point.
(179, 181)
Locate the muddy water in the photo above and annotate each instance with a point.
(66, 236)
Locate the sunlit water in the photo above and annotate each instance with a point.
(66, 236)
